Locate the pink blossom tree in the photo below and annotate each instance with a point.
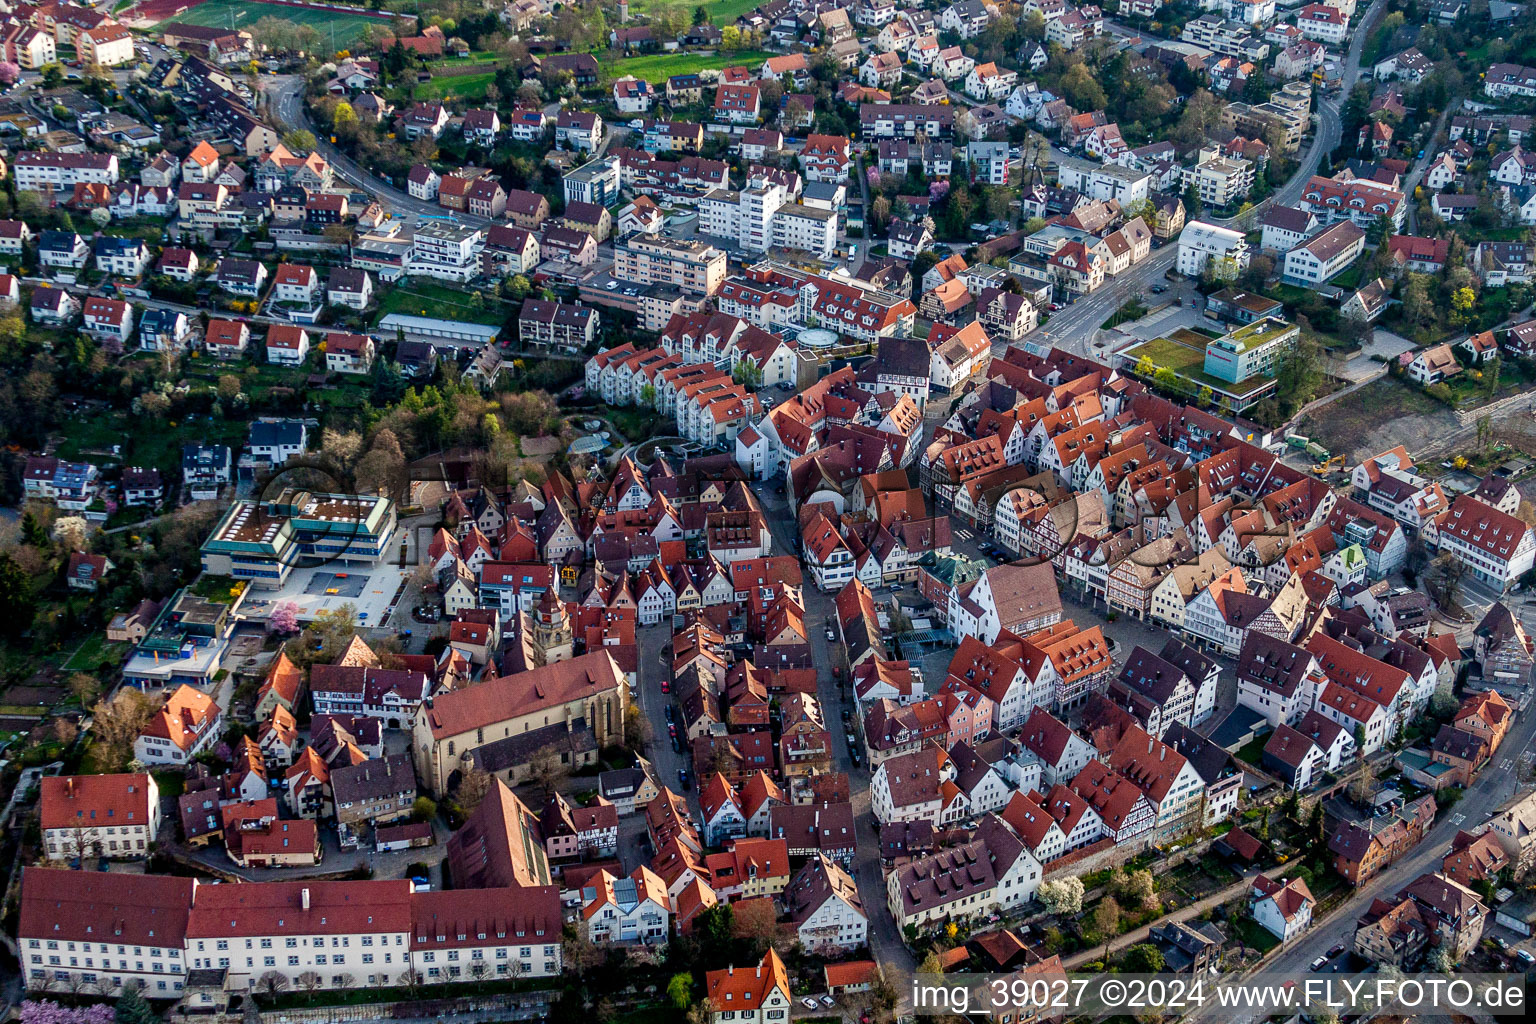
(285, 618)
(46, 1011)
(10, 71)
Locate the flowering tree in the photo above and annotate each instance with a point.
(10, 71)
(285, 618)
(46, 1011)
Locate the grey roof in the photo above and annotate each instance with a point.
(374, 779)
(265, 433)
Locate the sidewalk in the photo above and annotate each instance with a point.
(1140, 934)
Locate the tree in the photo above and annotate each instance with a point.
(755, 921)
(680, 990)
(1062, 896)
(70, 533)
(382, 470)
(310, 981)
(883, 998)
(325, 637)
(1443, 702)
(10, 71)
(101, 216)
(546, 769)
(411, 979)
(52, 74)
(1106, 919)
(228, 387)
(1140, 887)
(1081, 90)
(284, 619)
(1442, 578)
(473, 788)
(1143, 958)
(424, 809)
(637, 728)
(133, 1009)
(272, 982)
(1355, 328)
(1363, 786)
(300, 138)
(343, 446)
(748, 374)
(85, 688)
(116, 723)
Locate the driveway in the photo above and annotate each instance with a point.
(1384, 345)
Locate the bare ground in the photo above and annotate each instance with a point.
(1380, 415)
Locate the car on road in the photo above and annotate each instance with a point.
(1158, 289)
(666, 687)
(682, 777)
(1336, 950)
(831, 634)
(1525, 957)
(1319, 962)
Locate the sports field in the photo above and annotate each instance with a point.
(658, 67)
(721, 12)
(240, 14)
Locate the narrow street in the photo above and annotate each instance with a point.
(885, 939)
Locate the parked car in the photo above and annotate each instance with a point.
(831, 635)
(1319, 962)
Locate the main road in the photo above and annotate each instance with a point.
(285, 99)
(1495, 787)
(1075, 327)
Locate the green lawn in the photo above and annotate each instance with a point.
(1189, 362)
(1253, 751)
(95, 650)
(722, 13)
(1255, 935)
(461, 87)
(334, 27)
(171, 783)
(423, 298)
(158, 446)
(658, 67)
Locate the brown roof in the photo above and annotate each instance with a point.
(148, 910)
(497, 845)
(88, 801)
(508, 697)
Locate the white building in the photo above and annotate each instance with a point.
(99, 815)
(447, 252)
(1284, 909)
(634, 909)
(1202, 244)
(824, 908)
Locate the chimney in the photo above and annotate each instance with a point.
(304, 897)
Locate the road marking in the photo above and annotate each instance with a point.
(1457, 819)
